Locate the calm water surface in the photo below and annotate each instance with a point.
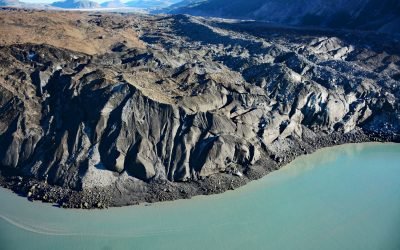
(346, 197)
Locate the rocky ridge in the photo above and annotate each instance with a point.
(76, 4)
(377, 15)
(205, 106)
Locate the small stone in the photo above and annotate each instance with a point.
(238, 173)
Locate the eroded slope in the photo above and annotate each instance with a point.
(203, 106)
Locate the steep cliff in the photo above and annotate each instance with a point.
(204, 106)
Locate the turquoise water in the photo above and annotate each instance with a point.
(346, 197)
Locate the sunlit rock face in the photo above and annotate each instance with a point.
(200, 98)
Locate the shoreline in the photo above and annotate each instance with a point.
(101, 198)
(137, 109)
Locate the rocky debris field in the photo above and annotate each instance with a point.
(194, 106)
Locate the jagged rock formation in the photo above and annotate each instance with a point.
(205, 106)
(382, 15)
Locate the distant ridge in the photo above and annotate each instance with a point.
(383, 15)
(10, 3)
(113, 4)
(19, 4)
(87, 4)
(151, 4)
(76, 4)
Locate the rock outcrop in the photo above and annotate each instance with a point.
(205, 106)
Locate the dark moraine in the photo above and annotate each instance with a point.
(204, 106)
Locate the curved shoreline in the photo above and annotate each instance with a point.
(170, 113)
(168, 191)
(326, 200)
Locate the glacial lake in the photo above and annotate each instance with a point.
(345, 197)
